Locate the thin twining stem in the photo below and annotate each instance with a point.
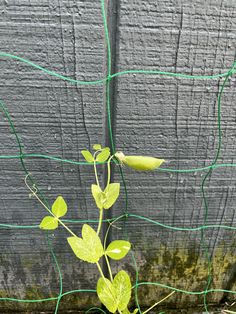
(95, 169)
(150, 308)
(104, 245)
(100, 270)
(109, 267)
(100, 221)
(109, 170)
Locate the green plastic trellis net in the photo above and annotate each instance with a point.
(207, 171)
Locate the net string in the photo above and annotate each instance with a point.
(83, 163)
(126, 215)
(117, 74)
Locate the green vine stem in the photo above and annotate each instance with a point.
(100, 221)
(97, 181)
(95, 168)
(101, 211)
(104, 245)
(100, 270)
(109, 267)
(109, 170)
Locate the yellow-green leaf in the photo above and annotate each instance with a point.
(107, 294)
(141, 163)
(87, 155)
(89, 248)
(115, 295)
(98, 195)
(111, 193)
(97, 147)
(59, 207)
(122, 286)
(104, 155)
(105, 199)
(49, 223)
(118, 249)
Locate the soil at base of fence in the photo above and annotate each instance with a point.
(216, 310)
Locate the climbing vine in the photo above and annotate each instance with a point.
(113, 292)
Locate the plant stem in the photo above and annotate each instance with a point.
(68, 229)
(113, 296)
(100, 270)
(100, 221)
(150, 308)
(96, 174)
(109, 267)
(109, 170)
(95, 168)
(104, 246)
(42, 203)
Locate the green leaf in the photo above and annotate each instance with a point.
(87, 155)
(97, 147)
(107, 294)
(122, 287)
(118, 249)
(115, 295)
(49, 223)
(111, 192)
(104, 155)
(105, 199)
(89, 248)
(98, 195)
(59, 207)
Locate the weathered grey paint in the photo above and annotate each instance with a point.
(171, 118)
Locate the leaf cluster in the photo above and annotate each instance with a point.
(59, 209)
(89, 248)
(100, 155)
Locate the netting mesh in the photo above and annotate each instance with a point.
(206, 228)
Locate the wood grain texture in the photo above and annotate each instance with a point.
(171, 118)
(52, 117)
(176, 119)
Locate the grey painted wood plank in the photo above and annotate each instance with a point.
(52, 117)
(171, 118)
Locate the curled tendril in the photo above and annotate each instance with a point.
(114, 226)
(32, 189)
